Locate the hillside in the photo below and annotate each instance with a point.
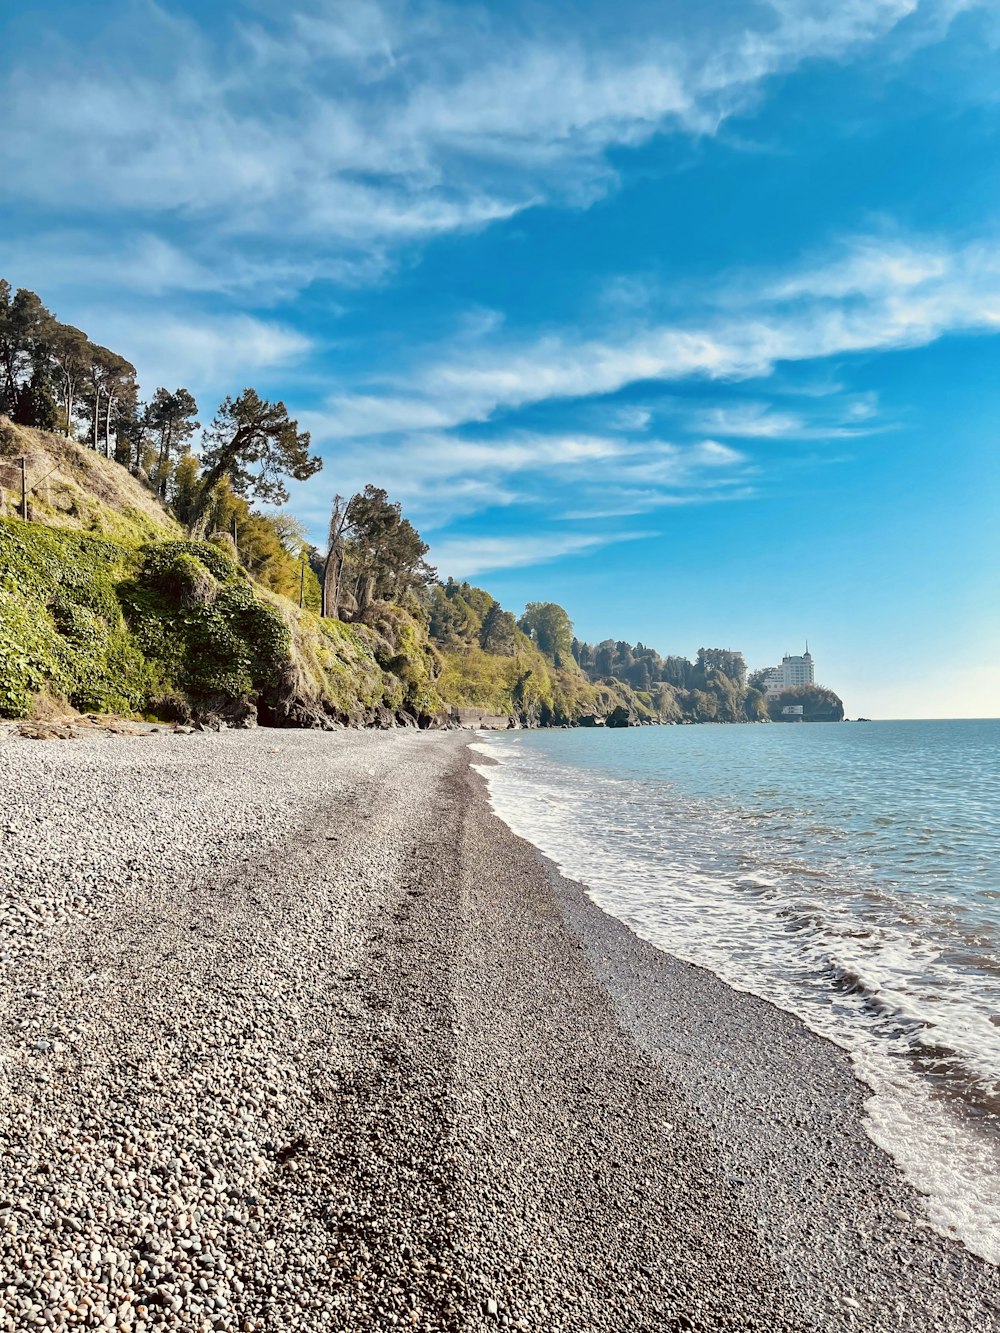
(105, 605)
(77, 488)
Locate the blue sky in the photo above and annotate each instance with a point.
(683, 316)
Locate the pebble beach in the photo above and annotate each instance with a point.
(297, 1035)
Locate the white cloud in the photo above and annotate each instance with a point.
(876, 297)
(200, 352)
(353, 126)
(754, 420)
(441, 476)
(465, 557)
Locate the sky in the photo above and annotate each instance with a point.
(682, 316)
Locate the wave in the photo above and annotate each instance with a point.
(806, 921)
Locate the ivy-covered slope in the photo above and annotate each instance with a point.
(174, 629)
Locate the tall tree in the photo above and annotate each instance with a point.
(107, 381)
(384, 553)
(334, 563)
(499, 632)
(71, 357)
(171, 419)
(26, 331)
(255, 445)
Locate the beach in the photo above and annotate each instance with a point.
(298, 1035)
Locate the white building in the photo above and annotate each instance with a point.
(774, 682)
(798, 670)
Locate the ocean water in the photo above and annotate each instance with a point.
(849, 873)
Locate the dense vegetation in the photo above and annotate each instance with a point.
(145, 582)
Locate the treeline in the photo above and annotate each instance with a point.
(52, 375)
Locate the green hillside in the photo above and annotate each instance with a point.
(104, 605)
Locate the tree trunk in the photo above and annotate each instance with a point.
(97, 420)
(331, 586)
(107, 424)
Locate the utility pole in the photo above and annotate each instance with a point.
(24, 488)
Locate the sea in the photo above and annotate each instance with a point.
(846, 872)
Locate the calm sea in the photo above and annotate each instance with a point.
(849, 873)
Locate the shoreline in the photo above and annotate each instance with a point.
(366, 1054)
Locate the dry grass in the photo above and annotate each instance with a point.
(74, 487)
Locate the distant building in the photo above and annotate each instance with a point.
(792, 710)
(798, 670)
(774, 682)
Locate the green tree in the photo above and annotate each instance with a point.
(677, 671)
(551, 629)
(26, 331)
(499, 632)
(383, 551)
(604, 659)
(107, 381)
(186, 488)
(730, 663)
(255, 446)
(70, 351)
(170, 418)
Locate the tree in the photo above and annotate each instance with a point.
(499, 632)
(26, 331)
(731, 664)
(373, 554)
(551, 629)
(639, 674)
(170, 417)
(120, 390)
(334, 564)
(677, 671)
(604, 658)
(109, 378)
(71, 357)
(384, 551)
(186, 489)
(255, 445)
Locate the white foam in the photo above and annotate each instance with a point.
(785, 929)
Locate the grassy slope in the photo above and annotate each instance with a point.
(76, 488)
(103, 604)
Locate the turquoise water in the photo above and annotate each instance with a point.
(849, 873)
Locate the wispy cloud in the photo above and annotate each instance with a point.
(441, 476)
(465, 557)
(352, 127)
(876, 296)
(837, 419)
(198, 352)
